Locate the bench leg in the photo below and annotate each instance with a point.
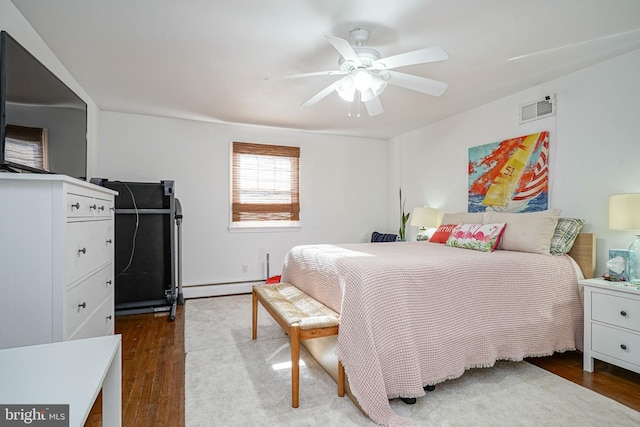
(254, 315)
(340, 379)
(295, 364)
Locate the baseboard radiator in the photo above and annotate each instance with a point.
(219, 289)
(227, 288)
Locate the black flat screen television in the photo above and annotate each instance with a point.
(43, 123)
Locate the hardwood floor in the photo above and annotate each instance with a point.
(616, 383)
(153, 372)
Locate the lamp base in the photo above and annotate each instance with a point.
(634, 261)
(422, 235)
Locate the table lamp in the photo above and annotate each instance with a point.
(624, 214)
(424, 218)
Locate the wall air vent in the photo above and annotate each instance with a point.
(538, 109)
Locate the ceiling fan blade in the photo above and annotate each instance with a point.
(421, 56)
(419, 84)
(317, 73)
(374, 107)
(344, 48)
(323, 93)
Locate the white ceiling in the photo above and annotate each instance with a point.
(208, 59)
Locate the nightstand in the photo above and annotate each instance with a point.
(611, 324)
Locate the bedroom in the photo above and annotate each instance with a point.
(593, 154)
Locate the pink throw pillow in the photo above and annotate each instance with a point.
(442, 233)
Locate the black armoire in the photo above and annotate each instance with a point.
(145, 261)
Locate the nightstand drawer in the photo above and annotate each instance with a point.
(616, 310)
(616, 343)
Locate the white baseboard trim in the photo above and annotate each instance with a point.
(203, 291)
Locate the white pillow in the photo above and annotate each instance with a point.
(527, 231)
(463, 218)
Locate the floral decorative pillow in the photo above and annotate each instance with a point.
(479, 237)
(442, 233)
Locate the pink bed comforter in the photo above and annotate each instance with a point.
(417, 313)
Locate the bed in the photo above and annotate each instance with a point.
(415, 313)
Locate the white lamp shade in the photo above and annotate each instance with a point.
(425, 217)
(346, 89)
(378, 85)
(624, 211)
(362, 79)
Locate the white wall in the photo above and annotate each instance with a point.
(594, 153)
(12, 21)
(343, 182)
(594, 148)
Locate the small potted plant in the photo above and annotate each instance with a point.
(404, 217)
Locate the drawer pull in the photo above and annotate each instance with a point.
(101, 208)
(76, 205)
(109, 282)
(109, 241)
(94, 206)
(83, 250)
(83, 305)
(109, 317)
(623, 313)
(622, 346)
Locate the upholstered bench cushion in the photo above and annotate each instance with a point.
(294, 306)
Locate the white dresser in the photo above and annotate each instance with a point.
(56, 259)
(611, 324)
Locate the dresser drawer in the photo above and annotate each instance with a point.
(616, 343)
(83, 299)
(616, 310)
(79, 206)
(100, 323)
(104, 208)
(84, 206)
(89, 246)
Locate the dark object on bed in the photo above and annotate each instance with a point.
(383, 237)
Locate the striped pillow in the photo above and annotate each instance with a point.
(565, 235)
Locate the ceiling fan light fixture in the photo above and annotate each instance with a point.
(346, 90)
(378, 85)
(362, 80)
(365, 71)
(367, 95)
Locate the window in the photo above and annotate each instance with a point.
(27, 146)
(265, 185)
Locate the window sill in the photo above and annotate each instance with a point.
(264, 229)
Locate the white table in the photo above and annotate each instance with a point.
(67, 372)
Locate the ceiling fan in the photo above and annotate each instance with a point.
(367, 74)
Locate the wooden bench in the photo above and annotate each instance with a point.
(302, 318)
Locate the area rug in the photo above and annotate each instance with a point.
(232, 380)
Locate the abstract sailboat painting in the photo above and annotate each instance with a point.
(510, 175)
